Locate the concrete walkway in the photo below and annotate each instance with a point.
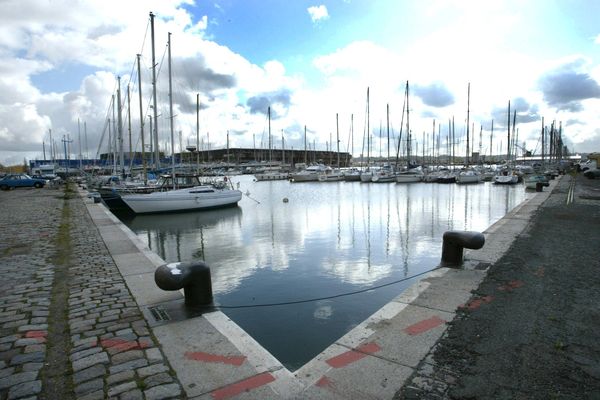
(125, 338)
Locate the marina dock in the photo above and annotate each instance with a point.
(82, 318)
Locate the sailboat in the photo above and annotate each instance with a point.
(218, 194)
(409, 175)
(506, 176)
(333, 174)
(468, 174)
(367, 174)
(271, 173)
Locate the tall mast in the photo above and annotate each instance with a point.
(144, 172)
(270, 146)
(368, 133)
(508, 147)
(198, 133)
(51, 145)
(491, 139)
(120, 128)
(351, 139)
(407, 129)
(387, 109)
(171, 112)
(114, 142)
(129, 126)
(468, 104)
(78, 140)
(305, 151)
(337, 138)
(154, 105)
(401, 127)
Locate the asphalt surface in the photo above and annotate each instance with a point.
(532, 328)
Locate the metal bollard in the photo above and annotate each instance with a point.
(453, 244)
(193, 277)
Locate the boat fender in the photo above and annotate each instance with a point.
(193, 277)
(453, 244)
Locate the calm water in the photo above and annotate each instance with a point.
(328, 239)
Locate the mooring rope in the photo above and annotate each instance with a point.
(285, 303)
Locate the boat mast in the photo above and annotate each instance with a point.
(114, 137)
(197, 133)
(337, 138)
(270, 146)
(401, 127)
(171, 111)
(508, 130)
(79, 141)
(305, 151)
(120, 129)
(144, 172)
(491, 139)
(468, 104)
(387, 109)
(154, 105)
(407, 130)
(129, 127)
(368, 133)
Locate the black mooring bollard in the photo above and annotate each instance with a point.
(193, 277)
(453, 244)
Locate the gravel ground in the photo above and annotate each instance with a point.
(531, 330)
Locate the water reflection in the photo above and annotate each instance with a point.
(328, 239)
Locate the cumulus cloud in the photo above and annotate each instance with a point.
(434, 95)
(566, 86)
(318, 13)
(277, 101)
(526, 113)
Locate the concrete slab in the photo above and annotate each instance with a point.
(145, 291)
(452, 290)
(495, 247)
(369, 377)
(205, 360)
(408, 337)
(134, 263)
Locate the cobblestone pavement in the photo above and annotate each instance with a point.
(531, 329)
(69, 328)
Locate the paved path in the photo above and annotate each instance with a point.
(69, 327)
(531, 329)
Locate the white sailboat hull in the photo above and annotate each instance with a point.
(468, 178)
(506, 179)
(196, 198)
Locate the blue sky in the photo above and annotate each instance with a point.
(307, 59)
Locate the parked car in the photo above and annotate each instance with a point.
(593, 173)
(12, 181)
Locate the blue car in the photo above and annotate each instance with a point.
(12, 181)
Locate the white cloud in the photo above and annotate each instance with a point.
(318, 13)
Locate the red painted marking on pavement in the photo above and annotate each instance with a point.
(36, 334)
(122, 344)
(476, 303)
(39, 335)
(511, 285)
(243, 386)
(324, 382)
(215, 358)
(353, 355)
(424, 326)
